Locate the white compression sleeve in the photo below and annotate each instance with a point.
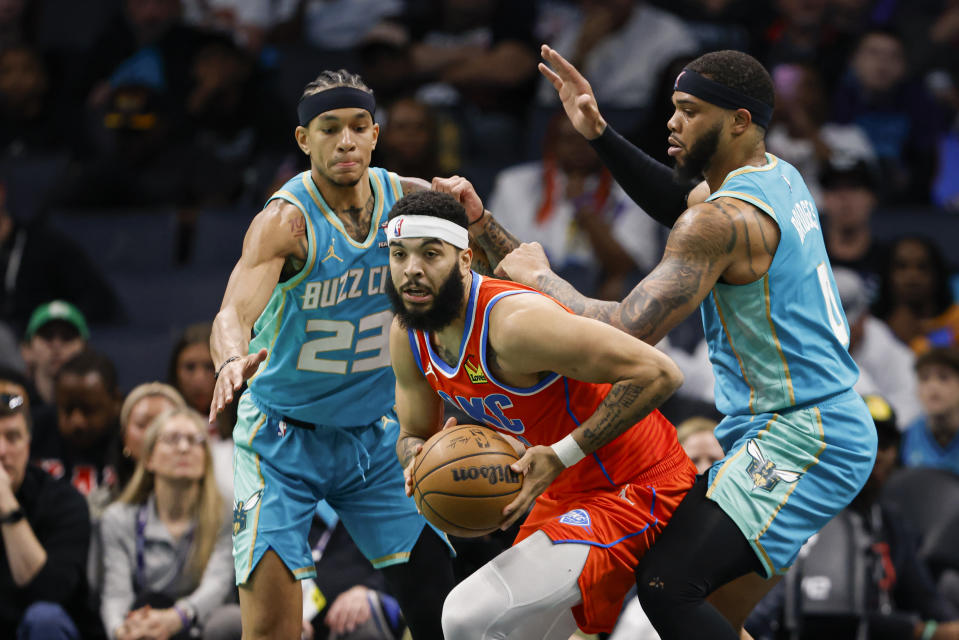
(525, 593)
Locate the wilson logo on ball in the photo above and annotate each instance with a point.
(494, 473)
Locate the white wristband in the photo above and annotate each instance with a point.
(568, 451)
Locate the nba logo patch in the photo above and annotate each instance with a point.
(576, 517)
(281, 428)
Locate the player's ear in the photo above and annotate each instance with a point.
(302, 136)
(741, 121)
(466, 260)
(376, 134)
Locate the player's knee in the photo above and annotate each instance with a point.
(660, 588)
(470, 609)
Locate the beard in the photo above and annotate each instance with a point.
(698, 157)
(445, 308)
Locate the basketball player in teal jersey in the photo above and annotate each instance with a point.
(317, 420)
(746, 247)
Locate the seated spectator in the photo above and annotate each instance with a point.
(144, 403)
(44, 536)
(861, 576)
(606, 34)
(56, 332)
(898, 114)
(594, 234)
(83, 448)
(697, 439)
(350, 595)
(800, 133)
(191, 373)
(409, 142)
(850, 194)
(915, 298)
(931, 441)
(886, 365)
(40, 265)
(166, 542)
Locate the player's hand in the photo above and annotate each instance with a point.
(231, 378)
(574, 92)
(408, 471)
(461, 189)
(524, 264)
(539, 466)
(350, 609)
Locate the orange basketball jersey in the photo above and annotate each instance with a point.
(544, 413)
(617, 500)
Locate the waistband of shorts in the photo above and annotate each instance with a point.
(665, 468)
(273, 414)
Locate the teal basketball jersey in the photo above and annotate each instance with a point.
(327, 328)
(782, 340)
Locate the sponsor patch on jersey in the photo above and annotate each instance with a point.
(576, 517)
(474, 371)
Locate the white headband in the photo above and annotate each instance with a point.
(427, 227)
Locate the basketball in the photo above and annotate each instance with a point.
(462, 480)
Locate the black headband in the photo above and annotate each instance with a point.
(335, 98)
(694, 84)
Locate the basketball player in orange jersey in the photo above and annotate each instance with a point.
(603, 466)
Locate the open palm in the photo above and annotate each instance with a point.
(574, 92)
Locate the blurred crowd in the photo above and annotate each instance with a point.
(143, 120)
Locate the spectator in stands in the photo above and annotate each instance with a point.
(606, 35)
(38, 264)
(480, 59)
(696, 437)
(915, 299)
(84, 447)
(44, 536)
(594, 234)
(166, 541)
(191, 373)
(56, 332)
(891, 593)
(901, 118)
(30, 121)
(931, 440)
(338, 25)
(144, 403)
(800, 133)
(886, 365)
(409, 140)
(850, 194)
(355, 604)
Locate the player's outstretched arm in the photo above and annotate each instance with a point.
(531, 334)
(277, 232)
(418, 407)
(704, 243)
(647, 181)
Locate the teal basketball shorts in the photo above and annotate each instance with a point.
(281, 471)
(785, 475)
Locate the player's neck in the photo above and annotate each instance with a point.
(341, 197)
(735, 157)
(449, 340)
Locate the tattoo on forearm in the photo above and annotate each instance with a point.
(408, 449)
(496, 241)
(602, 310)
(620, 409)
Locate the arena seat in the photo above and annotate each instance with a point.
(929, 498)
(133, 241)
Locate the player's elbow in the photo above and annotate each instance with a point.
(668, 376)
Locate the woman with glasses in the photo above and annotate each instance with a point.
(166, 542)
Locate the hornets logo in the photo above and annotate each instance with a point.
(241, 508)
(763, 472)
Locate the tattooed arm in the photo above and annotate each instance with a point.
(531, 334)
(725, 238)
(412, 185)
(418, 407)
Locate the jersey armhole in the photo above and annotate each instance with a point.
(414, 347)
